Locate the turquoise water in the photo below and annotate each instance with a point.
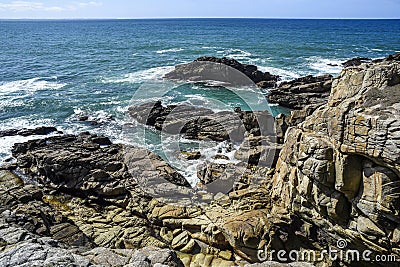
(52, 72)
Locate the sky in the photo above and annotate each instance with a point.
(80, 9)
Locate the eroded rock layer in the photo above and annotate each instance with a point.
(340, 168)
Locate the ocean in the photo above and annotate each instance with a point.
(54, 71)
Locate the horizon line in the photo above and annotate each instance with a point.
(161, 18)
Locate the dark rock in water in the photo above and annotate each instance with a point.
(299, 93)
(197, 71)
(101, 140)
(28, 132)
(393, 57)
(354, 62)
(8, 159)
(94, 119)
(201, 123)
(83, 118)
(250, 70)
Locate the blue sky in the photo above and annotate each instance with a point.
(200, 8)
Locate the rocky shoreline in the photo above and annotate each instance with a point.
(331, 172)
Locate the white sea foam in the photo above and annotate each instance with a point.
(324, 65)
(210, 47)
(29, 85)
(26, 122)
(207, 149)
(171, 50)
(6, 143)
(11, 102)
(141, 76)
(99, 116)
(208, 152)
(169, 146)
(199, 100)
(235, 53)
(284, 74)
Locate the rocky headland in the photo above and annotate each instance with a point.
(74, 200)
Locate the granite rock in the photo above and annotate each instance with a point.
(340, 168)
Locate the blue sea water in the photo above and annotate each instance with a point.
(52, 72)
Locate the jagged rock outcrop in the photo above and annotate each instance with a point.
(258, 151)
(389, 58)
(354, 62)
(199, 70)
(340, 169)
(337, 177)
(88, 165)
(19, 247)
(307, 91)
(78, 191)
(201, 123)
